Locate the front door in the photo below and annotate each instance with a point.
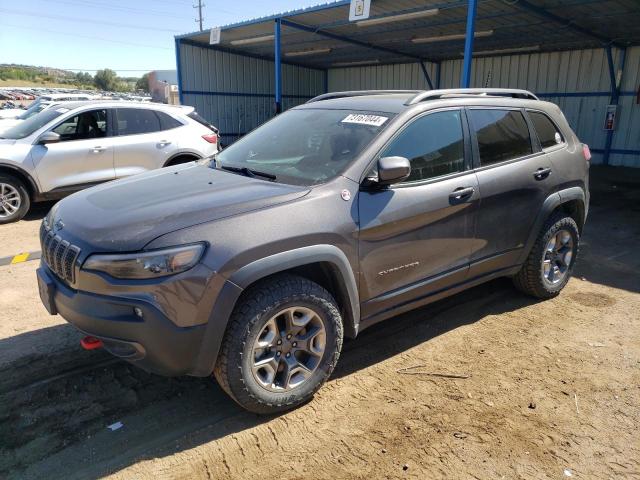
(416, 237)
(82, 157)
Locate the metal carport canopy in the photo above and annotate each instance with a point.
(400, 31)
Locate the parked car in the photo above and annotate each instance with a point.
(78, 144)
(15, 116)
(335, 215)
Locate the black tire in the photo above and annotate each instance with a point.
(257, 305)
(25, 200)
(531, 279)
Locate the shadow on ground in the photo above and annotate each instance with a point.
(57, 405)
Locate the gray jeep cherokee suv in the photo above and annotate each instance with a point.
(340, 213)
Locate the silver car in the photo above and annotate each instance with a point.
(79, 144)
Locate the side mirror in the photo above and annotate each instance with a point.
(393, 170)
(49, 137)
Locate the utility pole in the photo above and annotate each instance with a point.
(199, 7)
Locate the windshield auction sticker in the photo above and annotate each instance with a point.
(374, 120)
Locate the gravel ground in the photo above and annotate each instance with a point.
(545, 387)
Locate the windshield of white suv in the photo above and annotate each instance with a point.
(34, 108)
(30, 125)
(303, 147)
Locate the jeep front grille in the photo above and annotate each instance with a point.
(58, 254)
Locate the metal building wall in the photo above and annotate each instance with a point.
(398, 76)
(578, 81)
(235, 92)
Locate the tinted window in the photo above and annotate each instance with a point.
(85, 125)
(502, 135)
(167, 121)
(306, 146)
(133, 121)
(434, 145)
(30, 125)
(547, 132)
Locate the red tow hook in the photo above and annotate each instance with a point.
(91, 343)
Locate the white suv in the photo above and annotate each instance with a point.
(79, 144)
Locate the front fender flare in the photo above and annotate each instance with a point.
(261, 268)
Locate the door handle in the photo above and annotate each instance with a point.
(462, 193)
(98, 149)
(164, 143)
(541, 173)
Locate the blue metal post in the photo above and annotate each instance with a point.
(179, 71)
(465, 81)
(278, 65)
(438, 71)
(325, 80)
(615, 95)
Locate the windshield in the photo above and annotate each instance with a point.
(30, 125)
(304, 147)
(35, 107)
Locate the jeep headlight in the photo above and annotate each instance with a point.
(149, 264)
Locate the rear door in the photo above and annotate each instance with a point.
(146, 139)
(416, 237)
(84, 155)
(514, 176)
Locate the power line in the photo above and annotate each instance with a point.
(83, 20)
(75, 35)
(118, 8)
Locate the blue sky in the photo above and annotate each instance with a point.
(131, 37)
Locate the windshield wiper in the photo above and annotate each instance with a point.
(248, 172)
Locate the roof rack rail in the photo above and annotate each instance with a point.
(463, 92)
(359, 93)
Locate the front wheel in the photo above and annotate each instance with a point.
(550, 262)
(282, 343)
(14, 199)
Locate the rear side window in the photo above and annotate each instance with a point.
(134, 121)
(434, 144)
(502, 135)
(547, 132)
(167, 122)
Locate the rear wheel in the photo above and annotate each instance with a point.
(550, 262)
(14, 199)
(282, 343)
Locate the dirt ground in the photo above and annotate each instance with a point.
(545, 389)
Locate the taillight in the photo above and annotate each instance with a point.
(211, 138)
(586, 152)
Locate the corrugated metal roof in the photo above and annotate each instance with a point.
(506, 25)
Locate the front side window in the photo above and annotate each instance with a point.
(83, 126)
(548, 134)
(434, 144)
(306, 146)
(134, 121)
(502, 135)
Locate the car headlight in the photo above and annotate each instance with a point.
(150, 264)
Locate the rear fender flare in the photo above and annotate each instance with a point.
(552, 202)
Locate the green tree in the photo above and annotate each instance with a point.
(143, 83)
(106, 79)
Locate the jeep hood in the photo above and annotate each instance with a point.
(125, 215)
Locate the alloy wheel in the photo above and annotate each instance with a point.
(10, 200)
(557, 257)
(288, 349)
